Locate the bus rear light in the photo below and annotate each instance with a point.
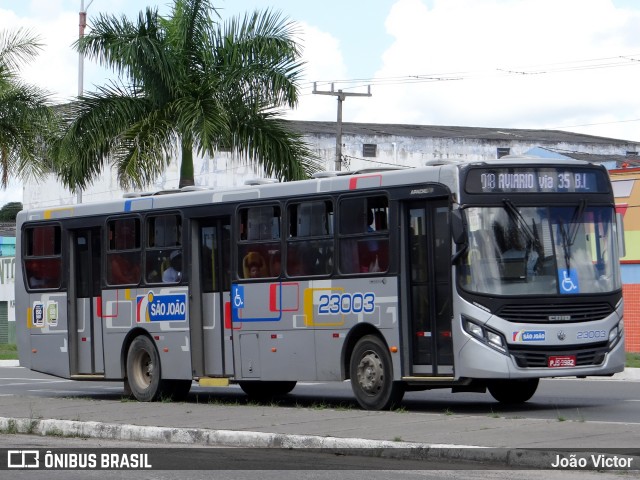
(165, 349)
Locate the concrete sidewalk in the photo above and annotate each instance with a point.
(455, 436)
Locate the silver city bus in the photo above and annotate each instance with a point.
(468, 276)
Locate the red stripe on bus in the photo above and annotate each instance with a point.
(227, 315)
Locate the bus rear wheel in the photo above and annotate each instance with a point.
(513, 391)
(143, 369)
(266, 390)
(371, 373)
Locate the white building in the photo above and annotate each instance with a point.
(364, 145)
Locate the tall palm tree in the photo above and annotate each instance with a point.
(26, 118)
(186, 83)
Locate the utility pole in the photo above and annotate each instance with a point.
(341, 97)
(82, 24)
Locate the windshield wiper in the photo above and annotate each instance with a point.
(569, 237)
(575, 224)
(515, 215)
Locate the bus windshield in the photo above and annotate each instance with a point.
(561, 250)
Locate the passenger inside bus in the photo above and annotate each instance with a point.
(124, 267)
(124, 271)
(373, 254)
(254, 266)
(43, 273)
(172, 274)
(276, 265)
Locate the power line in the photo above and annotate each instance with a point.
(537, 69)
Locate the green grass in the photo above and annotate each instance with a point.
(633, 360)
(8, 352)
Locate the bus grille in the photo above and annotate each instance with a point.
(530, 357)
(561, 313)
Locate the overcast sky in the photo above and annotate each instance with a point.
(558, 64)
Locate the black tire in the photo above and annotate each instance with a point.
(143, 370)
(371, 372)
(512, 392)
(259, 390)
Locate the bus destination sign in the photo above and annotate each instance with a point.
(529, 180)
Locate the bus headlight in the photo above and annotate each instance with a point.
(486, 335)
(615, 334)
(495, 339)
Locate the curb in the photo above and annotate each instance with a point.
(500, 457)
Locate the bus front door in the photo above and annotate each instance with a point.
(212, 352)
(429, 301)
(85, 325)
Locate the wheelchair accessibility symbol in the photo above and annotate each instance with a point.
(237, 296)
(568, 279)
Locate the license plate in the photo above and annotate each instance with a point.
(561, 361)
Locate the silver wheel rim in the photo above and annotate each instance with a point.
(370, 373)
(143, 373)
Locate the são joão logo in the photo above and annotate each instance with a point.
(161, 307)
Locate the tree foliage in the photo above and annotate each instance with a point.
(27, 121)
(186, 83)
(9, 211)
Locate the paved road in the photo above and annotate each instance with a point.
(70, 408)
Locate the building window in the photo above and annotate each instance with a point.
(631, 154)
(369, 150)
(503, 151)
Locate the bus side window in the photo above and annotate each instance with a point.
(364, 235)
(259, 241)
(310, 241)
(163, 252)
(43, 261)
(123, 255)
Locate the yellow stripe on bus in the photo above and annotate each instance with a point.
(309, 308)
(48, 214)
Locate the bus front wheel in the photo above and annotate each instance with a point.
(143, 369)
(371, 373)
(513, 391)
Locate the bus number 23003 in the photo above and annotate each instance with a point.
(346, 303)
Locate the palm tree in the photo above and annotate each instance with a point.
(189, 84)
(26, 119)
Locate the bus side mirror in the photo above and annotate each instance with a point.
(458, 227)
(620, 231)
